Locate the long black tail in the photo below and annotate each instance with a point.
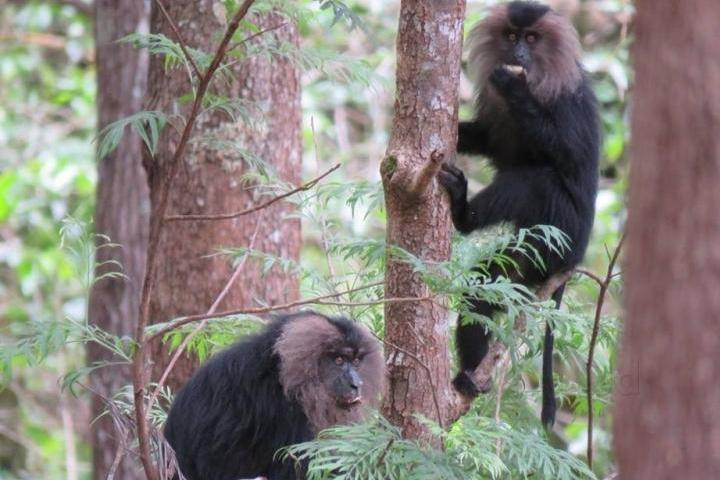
(549, 406)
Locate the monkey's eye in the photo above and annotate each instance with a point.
(531, 38)
(339, 360)
(512, 36)
(356, 361)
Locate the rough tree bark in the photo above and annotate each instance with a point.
(424, 134)
(121, 212)
(190, 277)
(667, 421)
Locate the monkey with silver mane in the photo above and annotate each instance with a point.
(301, 374)
(536, 121)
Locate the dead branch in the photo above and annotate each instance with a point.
(226, 216)
(425, 175)
(498, 355)
(604, 285)
(140, 372)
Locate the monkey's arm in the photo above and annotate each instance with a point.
(566, 131)
(472, 138)
(498, 202)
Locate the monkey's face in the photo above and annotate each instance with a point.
(530, 41)
(340, 370)
(517, 48)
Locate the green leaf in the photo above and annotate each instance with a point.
(147, 124)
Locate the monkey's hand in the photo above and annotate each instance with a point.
(507, 82)
(454, 182)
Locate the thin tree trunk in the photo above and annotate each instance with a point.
(121, 213)
(190, 276)
(424, 134)
(667, 421)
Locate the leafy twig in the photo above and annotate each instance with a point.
(227, 216)
(257, 34)
(181, 41)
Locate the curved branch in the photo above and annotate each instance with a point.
(227, 216)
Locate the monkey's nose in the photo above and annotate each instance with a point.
(355, 381)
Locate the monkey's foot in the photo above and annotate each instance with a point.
(465, 385)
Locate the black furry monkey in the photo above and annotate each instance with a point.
(536, 120)
(302, 373)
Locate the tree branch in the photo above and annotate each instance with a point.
(604, 285)
(227, 216)
(319, 300)
(140, 371)
(425, 175)
(257, 34)
(185, 320)
(181, 40)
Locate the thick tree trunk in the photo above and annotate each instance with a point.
(121, 213)
(667, 422)
(424, 133)
(209, 181)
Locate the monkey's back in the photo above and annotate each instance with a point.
(232, 416)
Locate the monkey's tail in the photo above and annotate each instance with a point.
(548, 387)
(549, 406)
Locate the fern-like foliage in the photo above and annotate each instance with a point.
(376, 450)
(147, 124)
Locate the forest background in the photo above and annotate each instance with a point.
(49, 161)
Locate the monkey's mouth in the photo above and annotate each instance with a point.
(517, 70)
(349, 402)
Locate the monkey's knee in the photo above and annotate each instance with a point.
(466, 386)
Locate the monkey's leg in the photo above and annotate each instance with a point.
(472, 343)
(549, 406)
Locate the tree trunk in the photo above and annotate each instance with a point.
(424, 133)
(667, 422)
(121, 213)
(209, 181)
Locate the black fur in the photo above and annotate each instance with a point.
(524, 14)
(232, 416)
(546, 161)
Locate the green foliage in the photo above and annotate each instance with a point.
(342, 12)
(148, 125)
(171, 51)
(39, 339)
(376, 450)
